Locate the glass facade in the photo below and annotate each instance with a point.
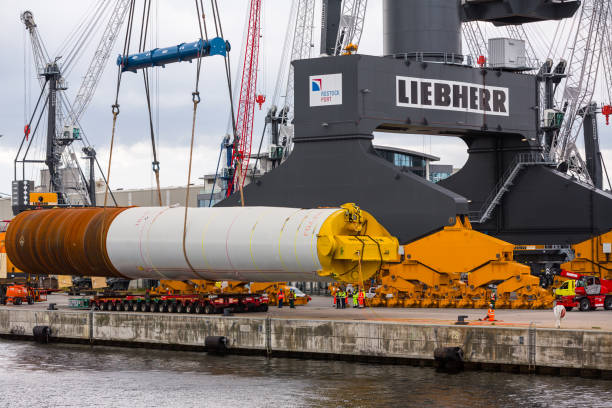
(438, 172)
(405, 161)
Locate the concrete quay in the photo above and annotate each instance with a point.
(512, 348)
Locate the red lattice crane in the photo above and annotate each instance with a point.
(241, 153)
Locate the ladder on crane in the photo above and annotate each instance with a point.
(505, 183)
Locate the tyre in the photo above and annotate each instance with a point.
(112, 307)
(263, 308)
(153, 307)
(199, 309)
(163, 307)
(209, 309)
(17, 301)
(172, 308)
(30, 301)
(180, 308)
(608, 303)
(585, 305)
(143, 307)
(104, 306)
(190, 308)
(131, 306)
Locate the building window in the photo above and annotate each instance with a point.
(402, 160)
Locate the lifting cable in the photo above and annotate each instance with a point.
(195, 97)
(228, 70)
(144, 28)
(115, 106)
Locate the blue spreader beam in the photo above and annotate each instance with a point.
(159, 57)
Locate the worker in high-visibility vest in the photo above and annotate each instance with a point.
(342, 299)
(292, 297)
(280, 297)
(361, 298)
(355, 298)
(490, 313)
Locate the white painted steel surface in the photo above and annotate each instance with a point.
(253, 244)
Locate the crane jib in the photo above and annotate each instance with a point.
(177, 53)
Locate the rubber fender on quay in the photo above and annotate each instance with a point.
(41, 334)
(216, 344)
(449, 359)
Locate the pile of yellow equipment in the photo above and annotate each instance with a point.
(435, 269)
(593, 257)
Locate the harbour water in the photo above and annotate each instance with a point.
(81, 376)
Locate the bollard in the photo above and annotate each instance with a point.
(51, 306)
(461, 320)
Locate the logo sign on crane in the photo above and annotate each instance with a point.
(326, 90)
(422, 93)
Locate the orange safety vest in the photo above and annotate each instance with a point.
(281, 295)
(491, 314)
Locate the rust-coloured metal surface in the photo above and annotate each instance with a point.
(70, 241)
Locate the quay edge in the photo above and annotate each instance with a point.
(513, 349)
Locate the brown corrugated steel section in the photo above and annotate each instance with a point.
(69, 241)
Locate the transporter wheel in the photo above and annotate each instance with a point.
(143, 307)
(104, 306)
(30, 300)
(125, 306)
(209, 309)
(585, 305)
(569, 309)
(163, 307)
(263, 308)
(17, 301)
(199, 309)
(180, 308)
(153, 307)
(172, 308)
(190, 308)
(113, 306)
(608, 303)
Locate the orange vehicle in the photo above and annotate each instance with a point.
(18, 294)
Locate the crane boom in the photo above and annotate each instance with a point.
(246, 104)
(580, 85)
(100, 58)
(350, 28)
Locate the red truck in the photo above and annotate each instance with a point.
(591, 292)
(196, 303)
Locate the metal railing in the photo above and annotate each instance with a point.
(503, 185)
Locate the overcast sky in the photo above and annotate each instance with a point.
(174, 22)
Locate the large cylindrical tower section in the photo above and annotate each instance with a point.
(250, 244)
(431, 27)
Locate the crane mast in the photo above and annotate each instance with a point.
(246, 104)
(580, 85)
(62, 116)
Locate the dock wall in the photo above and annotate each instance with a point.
(570, 352)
